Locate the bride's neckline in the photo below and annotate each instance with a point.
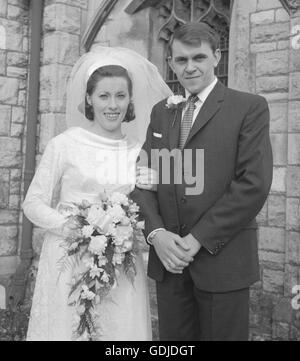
(85, 136)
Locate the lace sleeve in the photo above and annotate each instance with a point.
(37, 204)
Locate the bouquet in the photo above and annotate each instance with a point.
(102, 244)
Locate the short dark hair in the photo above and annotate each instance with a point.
(109, 71)
(194, 33)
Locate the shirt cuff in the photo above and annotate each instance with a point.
(152, 234)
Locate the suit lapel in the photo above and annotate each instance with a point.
(210, 107)
(174, 127)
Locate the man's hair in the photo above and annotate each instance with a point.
(194, 34)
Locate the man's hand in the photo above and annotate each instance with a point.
(146, 178)
(173, 251)
(193, 244)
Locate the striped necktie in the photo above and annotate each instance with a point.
(187, 120)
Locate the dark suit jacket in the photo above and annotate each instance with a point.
(233, 129)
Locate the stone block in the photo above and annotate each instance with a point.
(61, 48)
(276, 210)
(263, 47)
(276, 96)
(270, 32)
(8, 265)
(14, 201)
(272, 63)
(18, 115)
(2, 62)
(291, 278)
(53, 84)
(15, 174)
(282, 15)
(293, 181)
(262, 17)
(279, 146)
(295, 85)
(4, 188)
(8, 240)
(279, 117)
(16, 130)
(279, 180)
(15, 187)
(293, 214)
(273, 281)
(272, 239)
(272, 84)
(8, 217)
(283, 311)
(22, 98)
(293, 248)
(14, 34)
(3, 8)
(16, 72)
(78, 3)
(283, 44)
(294, 149)
(272, 260)
(10, 152)
(280, 331)
(9, 90)
(17, 13)
(21, 3)
(294, 116)
(62, 17)
(5, 111)
(268, 4)
(294, 60)
(17, 59)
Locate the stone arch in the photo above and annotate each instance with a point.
(96, 23)
(2, 37)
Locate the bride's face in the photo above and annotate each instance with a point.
(110, 101)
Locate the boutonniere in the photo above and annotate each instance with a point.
(175, 102)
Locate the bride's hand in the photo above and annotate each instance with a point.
(146, 178)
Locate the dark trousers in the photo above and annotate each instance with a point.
(186, 313)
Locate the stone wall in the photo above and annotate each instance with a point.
(14, 43)
(268, 65)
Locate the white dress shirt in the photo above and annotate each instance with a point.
(202, 97)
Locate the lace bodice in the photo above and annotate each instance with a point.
(82, 165)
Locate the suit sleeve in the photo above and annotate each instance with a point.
(248, 192)
(147, 200)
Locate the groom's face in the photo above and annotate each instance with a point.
(194, 65)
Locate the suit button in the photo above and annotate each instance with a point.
(183, 200)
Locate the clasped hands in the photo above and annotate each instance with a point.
(175, 252)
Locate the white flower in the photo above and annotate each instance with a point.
(123, 233)
(118, 258)
(174, 100)
(127, 246)
(95, 215)
(116, 213)
(105, 277)
(98, 245)
(87, 294)
(125, 221)
(87, 231)
(134, 208)
(95, 271)
(73, 246)
(111, 230)
(102, 261)
(119, 198)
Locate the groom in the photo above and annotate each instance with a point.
(204, 253)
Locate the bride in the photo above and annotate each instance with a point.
(107, 87)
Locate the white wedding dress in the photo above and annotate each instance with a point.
(82, 164)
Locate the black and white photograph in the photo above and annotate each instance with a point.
(149, 173)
